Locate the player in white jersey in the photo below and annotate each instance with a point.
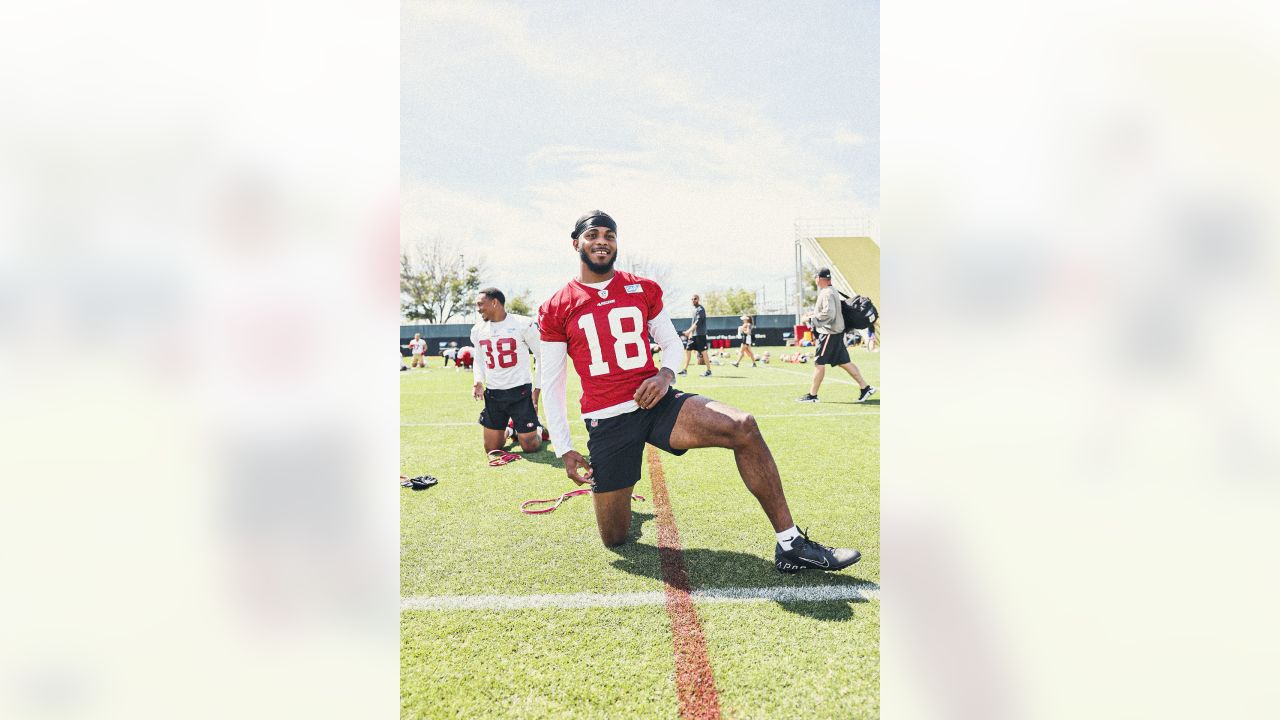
(418, 347)
(502, 377)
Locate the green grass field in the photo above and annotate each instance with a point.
(464, 541)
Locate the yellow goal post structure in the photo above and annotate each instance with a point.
(849, 246)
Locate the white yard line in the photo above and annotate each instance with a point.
(813, 593)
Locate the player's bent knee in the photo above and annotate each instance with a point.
(530, 445)
(746, 429)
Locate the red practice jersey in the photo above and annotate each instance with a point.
(607, 334)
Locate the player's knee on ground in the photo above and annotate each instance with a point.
(531, 443)
(613, 537)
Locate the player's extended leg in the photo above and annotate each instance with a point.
(687, 355)
(704, 422)
(613, 515)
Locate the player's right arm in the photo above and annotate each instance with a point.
(553, 359)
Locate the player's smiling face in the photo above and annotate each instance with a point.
(598, 248)
(486, 306)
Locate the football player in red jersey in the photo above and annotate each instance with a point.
(603, 321)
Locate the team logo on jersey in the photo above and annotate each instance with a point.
(595, 423)
(604, 293)
(635, 288)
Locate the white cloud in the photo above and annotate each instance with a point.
(848, 137)
(696, 177)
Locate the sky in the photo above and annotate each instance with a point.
(705, 129)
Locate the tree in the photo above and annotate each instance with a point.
(734, 301)
(436, 285)
(521, 304)
(810, 286)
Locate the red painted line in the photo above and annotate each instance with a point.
(695, 683)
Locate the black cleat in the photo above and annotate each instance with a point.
(867, 392)
(706, 374)
(807, 398)
(806, 554)
(683, 372)
(422, 482)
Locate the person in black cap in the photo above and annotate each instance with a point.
(828, 322)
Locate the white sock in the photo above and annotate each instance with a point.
(788, 536)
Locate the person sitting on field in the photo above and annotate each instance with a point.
(503, 378)
(418, 347)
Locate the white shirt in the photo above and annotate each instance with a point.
(418, 346)
(502, 352)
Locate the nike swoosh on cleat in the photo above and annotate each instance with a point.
(821, 564)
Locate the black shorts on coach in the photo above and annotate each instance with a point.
(616, 445)
(831, 350)
(697, 343)
(511, 404)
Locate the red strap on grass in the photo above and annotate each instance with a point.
(524, 506)
(498, 458)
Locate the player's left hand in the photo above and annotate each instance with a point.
(652, 390)
(477, 391)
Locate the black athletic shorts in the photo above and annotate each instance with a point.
(746, 340)
(831, 350)
(512, 404)
(616, 445)
(697, 343)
